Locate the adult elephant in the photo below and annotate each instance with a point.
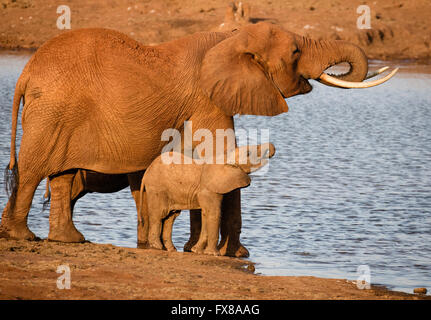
(94, 99)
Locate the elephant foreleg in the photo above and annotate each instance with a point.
(195, 229)
(201, 244)
(212, 225)
(230, 227)
(211, 214)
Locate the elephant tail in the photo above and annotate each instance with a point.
(46, 196)
(19, 93)
(11, 182)
(11, 175)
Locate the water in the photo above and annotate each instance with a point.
(350, 185)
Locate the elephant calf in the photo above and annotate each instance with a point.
(184, 185)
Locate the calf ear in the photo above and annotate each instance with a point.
(223, 178)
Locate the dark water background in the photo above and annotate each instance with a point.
(350, 184)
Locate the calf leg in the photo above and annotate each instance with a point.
(135, 180)
(201, 244)
(168, 224)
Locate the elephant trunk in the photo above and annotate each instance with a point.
(252, 158)
(319, 55)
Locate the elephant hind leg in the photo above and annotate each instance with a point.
(155, 233)
(61, 227)
(15, 214)
(168, 224)
(157, 211)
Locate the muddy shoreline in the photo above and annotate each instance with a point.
(103, 271)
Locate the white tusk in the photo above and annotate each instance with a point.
(329, 80)
(376, 73)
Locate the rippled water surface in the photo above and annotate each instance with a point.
(350, 185)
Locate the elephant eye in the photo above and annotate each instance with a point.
(253, 56)
(256, 59)
(296, 51)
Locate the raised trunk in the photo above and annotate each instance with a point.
(319, 55)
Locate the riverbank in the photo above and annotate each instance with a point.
(399, 29)
(99, 271)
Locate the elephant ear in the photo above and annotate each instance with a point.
(224, 178)
(234, 76)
